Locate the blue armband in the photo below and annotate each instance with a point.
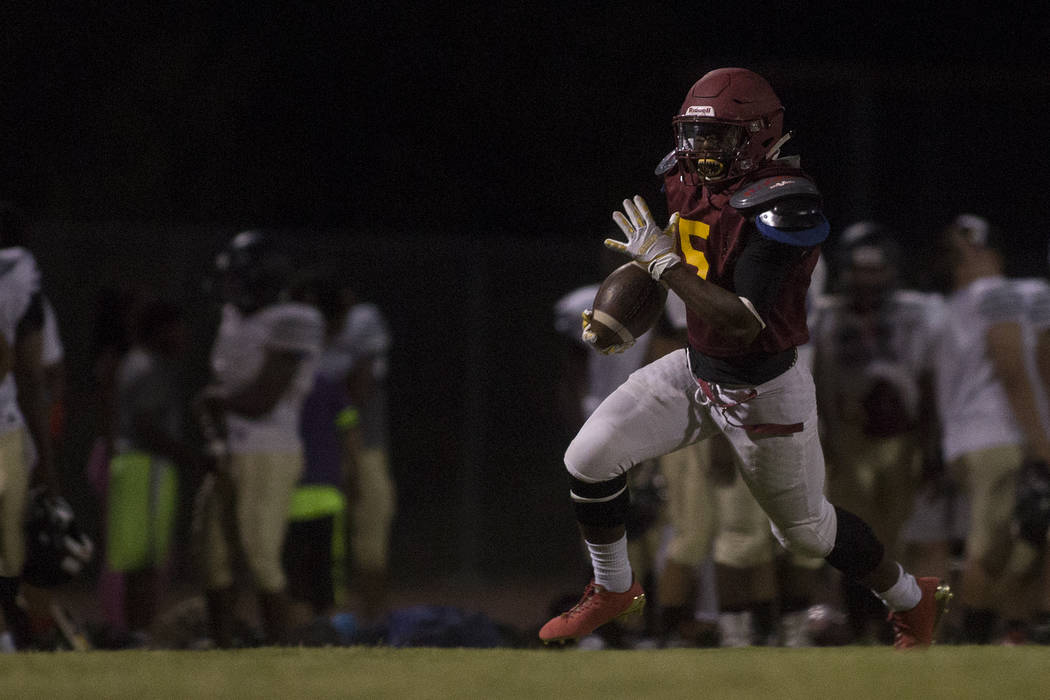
(805, 237)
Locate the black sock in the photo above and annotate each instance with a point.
(15, 617)
(790, 604)
(978, 625)
(671, 617)
(1040, 629)
(762, 621)
(861, 607)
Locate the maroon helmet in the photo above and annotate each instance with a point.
(730, 120)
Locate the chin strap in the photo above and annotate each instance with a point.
(774, 150)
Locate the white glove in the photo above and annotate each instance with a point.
(646, 242)
(591, 338)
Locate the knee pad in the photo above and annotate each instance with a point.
(602, 503)
(596, 453)
(811, 539)
(857, 550)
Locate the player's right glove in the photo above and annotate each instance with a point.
(591, 338)
(646, 241)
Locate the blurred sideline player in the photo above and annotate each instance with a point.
(262, 362)
(990, 417)
(742, 241)
(315, 545)
(1033, 507)
(24, 434)
(39, 601)
(359, 357)
(873, 348)
(150, 455)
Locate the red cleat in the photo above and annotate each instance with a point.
(916, 627)
(596, 607)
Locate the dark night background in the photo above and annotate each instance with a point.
(461, 163)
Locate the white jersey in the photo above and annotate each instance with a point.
(19, 284)
(606, 372)
(365, 334)
(897, 344)
(975, 411)
(237, 356)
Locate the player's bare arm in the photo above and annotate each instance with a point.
(260, 396)
(1006, 349)
(722, 309)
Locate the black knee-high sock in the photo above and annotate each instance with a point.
(978, 625)
(16, 619)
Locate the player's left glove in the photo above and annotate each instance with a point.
(591, 338)
(646, 241)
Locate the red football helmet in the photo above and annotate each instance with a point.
(730, 120)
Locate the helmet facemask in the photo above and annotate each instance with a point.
(709, 149)
(730, 122)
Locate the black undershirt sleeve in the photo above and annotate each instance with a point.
(762, 268)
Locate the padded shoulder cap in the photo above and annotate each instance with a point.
(786, 208)
(762, 194)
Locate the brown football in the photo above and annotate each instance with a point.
(630, 298)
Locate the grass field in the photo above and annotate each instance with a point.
(853, 673)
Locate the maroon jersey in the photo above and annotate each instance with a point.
(712, 234)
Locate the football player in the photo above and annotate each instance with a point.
(24, 435)
(743, 239)
(262, 364)
(990, 412)
(873, 352)
(358, 357)
(150, 451)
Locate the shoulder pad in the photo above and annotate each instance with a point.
(762, 194)
(667, 164)
(786, 208)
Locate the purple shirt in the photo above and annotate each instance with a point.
(322, 437)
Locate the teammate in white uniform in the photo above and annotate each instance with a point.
(989, 409)
(24, 440)
(874, 346)
(262, 362)
(358, 356)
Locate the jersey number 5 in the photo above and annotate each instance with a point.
(687, 230)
